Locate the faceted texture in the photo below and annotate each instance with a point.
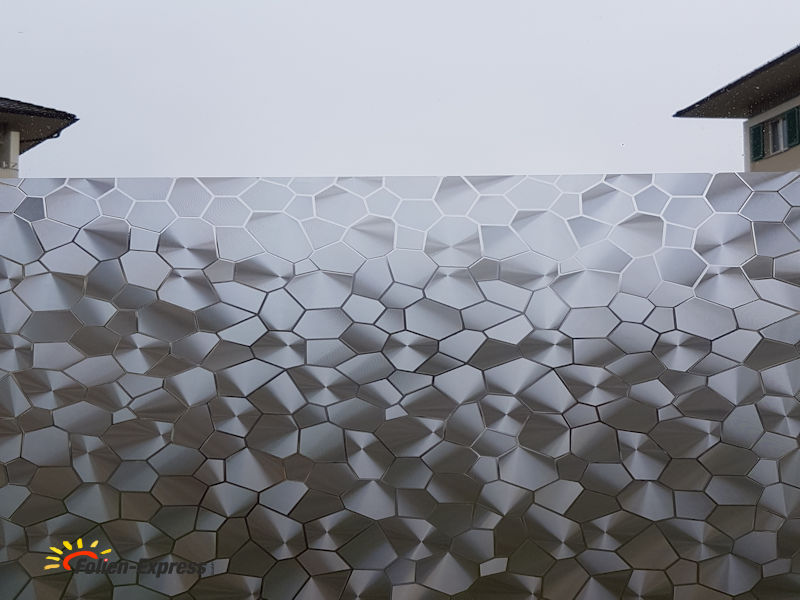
(403, 387)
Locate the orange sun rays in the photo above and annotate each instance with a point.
(62, 561)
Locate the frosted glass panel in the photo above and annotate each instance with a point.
(401, 387)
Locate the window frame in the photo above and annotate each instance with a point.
(762, 140)
(777, 126)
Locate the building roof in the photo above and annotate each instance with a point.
(768, 86)
(35, 123)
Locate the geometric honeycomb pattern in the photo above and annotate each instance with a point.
(404, 387)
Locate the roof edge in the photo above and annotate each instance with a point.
(17, 107)
(684, 113)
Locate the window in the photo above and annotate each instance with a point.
(775, 135)
(777, 139)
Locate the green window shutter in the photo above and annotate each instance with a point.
(757, 142)
(793, 127)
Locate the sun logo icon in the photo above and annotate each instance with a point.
(62, 560)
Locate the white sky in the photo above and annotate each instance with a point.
(360, 87)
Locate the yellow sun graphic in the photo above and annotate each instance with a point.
(62, 560)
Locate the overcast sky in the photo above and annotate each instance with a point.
(359, 87)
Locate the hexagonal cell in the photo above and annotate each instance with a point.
(104, 238)
(188, 244)
(279, 234)
(703, 318)
(20, 242)
(339, 206)
(546, 233)
(71, 207)
(226, 212)
(453, 242)
(433, 319)
(679, 265)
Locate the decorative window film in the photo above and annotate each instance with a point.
(400, 387)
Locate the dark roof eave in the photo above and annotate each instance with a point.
(759, 90)
(25, 145)
(8, 105)
(35, 123)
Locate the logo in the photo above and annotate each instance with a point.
(76, 557)
(63, 561)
